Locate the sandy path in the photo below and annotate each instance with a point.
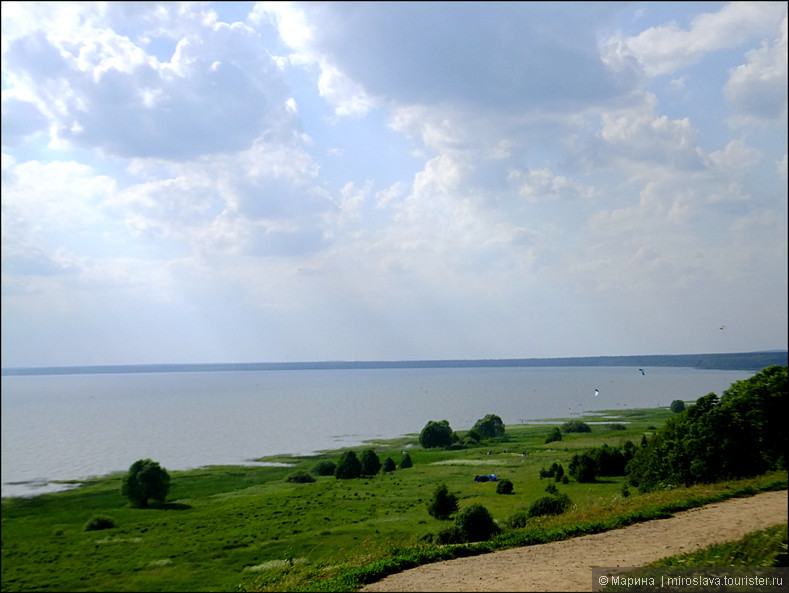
(567, 565)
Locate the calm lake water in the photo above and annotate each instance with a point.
(63, 427)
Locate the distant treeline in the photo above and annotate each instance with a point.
(751, 361)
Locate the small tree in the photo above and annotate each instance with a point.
(406, 462)
(443, 503)
(146, 480)
(300, 477)
(583, 468)
(436, 434)
(553, 504)
(388, 466)
(489, 427)
(677, 406)
(324, 467)
(371, 465)
(576, 426)
(348, 466)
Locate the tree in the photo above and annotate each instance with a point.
(489, 427)
(371, 465)
(583, 468)
(504, 486)
(388, 466)
(436, 434)
(677, 406)
(443, 503)
(576, 426)
(146, 480)
(406, 462)
(348, 466)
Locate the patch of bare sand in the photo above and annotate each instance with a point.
(567, 565)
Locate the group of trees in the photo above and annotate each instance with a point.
(741, 434)
(369, 464)
(438, 433)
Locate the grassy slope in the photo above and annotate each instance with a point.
(231, 526)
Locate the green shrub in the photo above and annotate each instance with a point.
(556, 435)
(576, 426)
(677, 406)
(448, 535)
(553, 504)
(300, 477)
(388, 466)
(476, 524)
(443, 503)
(518, 521)
(551, 488)
(406, 462)
(617, 427)
(324, 468)
(98, 522)
(504, 486)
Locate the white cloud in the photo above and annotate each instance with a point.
(668, 48)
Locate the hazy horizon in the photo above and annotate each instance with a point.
(242, 181)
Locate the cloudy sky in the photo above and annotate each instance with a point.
(239, 181)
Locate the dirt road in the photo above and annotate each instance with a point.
(567, 565)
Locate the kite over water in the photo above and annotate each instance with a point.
(642, 371)
(596, 392)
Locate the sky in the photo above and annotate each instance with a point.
(242, 182)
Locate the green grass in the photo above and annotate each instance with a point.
(230, 528)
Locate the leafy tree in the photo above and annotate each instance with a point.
(556, 435)
(146, 480)
(371, 465)
(348, 466)
(406, 462)
(443, 504)
(388, 466)
(476, 524)
(489, 427)
(677, 406)
(436, 434)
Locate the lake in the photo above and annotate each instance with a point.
(64, 427)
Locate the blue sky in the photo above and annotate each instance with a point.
(238, 181)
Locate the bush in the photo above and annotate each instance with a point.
(555, 435)
(448, 535)
(406, 462)
(553, 504)
(388, 466)
(576, 426)
(551, 488)
(436, 434)
(443, 503)
(324, 468)
(476, 524)
(518, 520)
(371, 465)
(617, 427)
(98, 522)
(348, 466)
(300, 477)
(489, 427)
(146, 480)
(504, 486)
(583, 468)
(677, 406)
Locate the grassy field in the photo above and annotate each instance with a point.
(231, 528)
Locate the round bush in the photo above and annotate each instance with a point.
(98, 522)
(388, 466)
(576, 426)
(553, 504)
(348, 467)
(406, 462)
(677, 406)
(504, 487)
(324, 468)
(443, 503)
(476, 524)
(145, 480)
(300, 477)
